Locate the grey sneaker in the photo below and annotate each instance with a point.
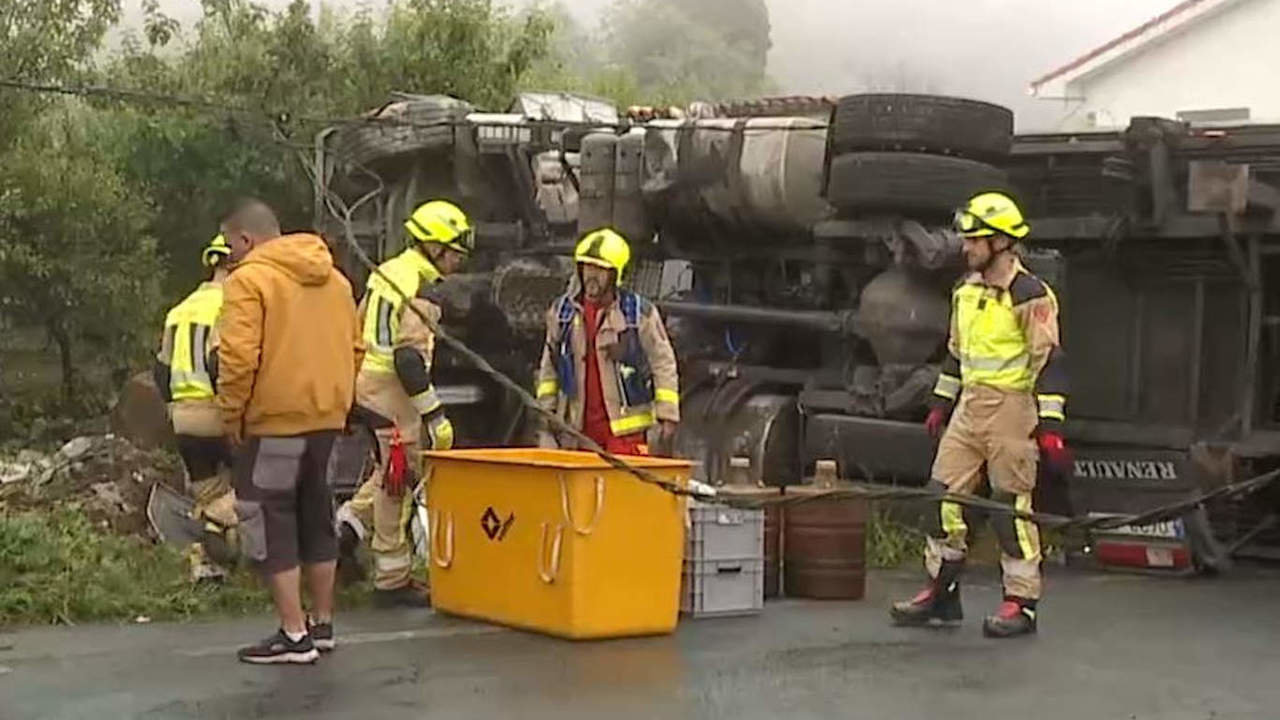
(321, 635)
(278, 648)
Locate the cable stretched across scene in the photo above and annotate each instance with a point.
(871, 491)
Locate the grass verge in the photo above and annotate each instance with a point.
(56, 567)
(891, 542)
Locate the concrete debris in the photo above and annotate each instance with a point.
(29, 457)
(15, 472)
(77, 447)
(106, 475)
(109, 494)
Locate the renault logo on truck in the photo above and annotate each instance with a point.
(1127, 469)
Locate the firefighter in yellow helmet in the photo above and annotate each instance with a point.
(186, 374)
(395, 396)
(1002, 391)
(608, 368)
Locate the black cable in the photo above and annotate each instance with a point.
(870, 491)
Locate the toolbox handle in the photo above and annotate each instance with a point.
(729, 570)
(566, 509)
(549, 574)
(442, 560)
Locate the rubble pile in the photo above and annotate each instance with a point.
(106, 475)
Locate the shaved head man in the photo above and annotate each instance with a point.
(288, 358)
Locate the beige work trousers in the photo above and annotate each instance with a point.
(214, 498)
(373, 507)
(990, 430)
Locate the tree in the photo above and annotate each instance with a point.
(45, 42)
(75, 256)
(278, 78)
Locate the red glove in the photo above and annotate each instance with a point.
(936, 422)
(397, 466)
(1055, 452)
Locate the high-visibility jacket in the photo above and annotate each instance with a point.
(395, 377)
(187, 361)
(637, 364)
(1005, 336)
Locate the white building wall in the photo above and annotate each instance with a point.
(1229, 60)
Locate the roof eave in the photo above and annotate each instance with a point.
(1054, 84)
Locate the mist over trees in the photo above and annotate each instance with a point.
(108, 197)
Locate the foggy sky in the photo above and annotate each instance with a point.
(986, 49)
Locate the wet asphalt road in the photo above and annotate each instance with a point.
(1111, 646)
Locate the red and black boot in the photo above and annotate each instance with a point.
(937, 605)
(1016, 616)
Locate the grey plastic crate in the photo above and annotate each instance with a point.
(721, 533)
(722, 588)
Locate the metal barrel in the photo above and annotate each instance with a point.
(824, 545)
(772, 551)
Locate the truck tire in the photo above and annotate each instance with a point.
(922, 123)
(400, 129)
(907, 182)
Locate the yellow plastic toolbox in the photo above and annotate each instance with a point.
(555, 541)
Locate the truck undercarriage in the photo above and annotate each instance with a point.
(803, 265)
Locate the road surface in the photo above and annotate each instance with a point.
(1110, 646)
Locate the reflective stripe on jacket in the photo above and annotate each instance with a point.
(404, 395)
(190, 343)
(1006, 337)
(617, 367)
(382, 308)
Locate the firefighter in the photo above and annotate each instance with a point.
(186, 373)
(607, 367)
(1002, 391)
(395, 396)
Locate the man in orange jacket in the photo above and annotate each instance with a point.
(290, 346)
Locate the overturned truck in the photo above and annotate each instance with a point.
(800, 250)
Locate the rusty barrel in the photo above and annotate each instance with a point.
(772, 531)
(825, 549)
(772, 551)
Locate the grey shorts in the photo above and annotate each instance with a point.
(284, 501)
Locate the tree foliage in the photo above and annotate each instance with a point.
(281, 77)
(46, 41)
(106, 201)
(75, 255)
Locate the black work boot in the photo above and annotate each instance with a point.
(414, 595)
(1016, 616)
(934, 605)
(350, 571)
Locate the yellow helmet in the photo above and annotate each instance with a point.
(216, 251)
(440, 221)
(604, 248)
(989, 213)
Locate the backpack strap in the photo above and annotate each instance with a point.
(633, 307)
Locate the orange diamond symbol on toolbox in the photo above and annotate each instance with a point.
(495, 528)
